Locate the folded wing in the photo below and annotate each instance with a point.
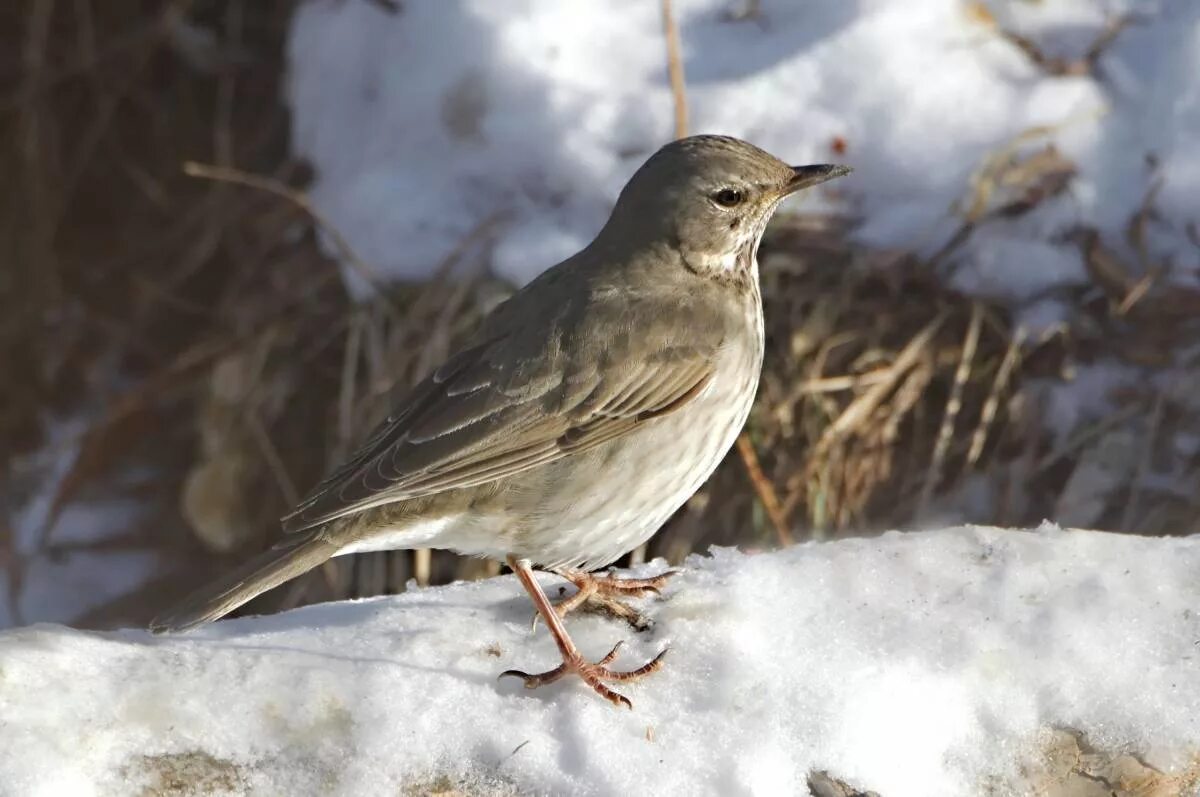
(503, 406)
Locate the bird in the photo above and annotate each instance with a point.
(580, 415)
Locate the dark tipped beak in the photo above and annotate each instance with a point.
(808, 176)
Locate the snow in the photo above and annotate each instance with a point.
(78, 558)
(910, 664)
(426, 123)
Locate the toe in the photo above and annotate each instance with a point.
(652, 666)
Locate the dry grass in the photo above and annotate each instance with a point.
(861, 366)
(193, 321)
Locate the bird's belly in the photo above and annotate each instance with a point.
(589, 509)
(614, 498)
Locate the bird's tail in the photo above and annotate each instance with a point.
(265, 571)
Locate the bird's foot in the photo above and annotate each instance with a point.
(594, 674)
(601, 594)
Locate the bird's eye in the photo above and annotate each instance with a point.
(728, 197)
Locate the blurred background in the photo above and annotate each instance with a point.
(233, 230)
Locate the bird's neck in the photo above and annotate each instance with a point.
(736, 265)
(658, 246)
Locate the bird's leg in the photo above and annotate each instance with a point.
(601, 594)
(594, 674)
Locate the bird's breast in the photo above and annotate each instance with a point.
(607, 501)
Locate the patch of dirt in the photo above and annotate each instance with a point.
(185, 774)
(822, 784)
(1070, 766)
(444, 785)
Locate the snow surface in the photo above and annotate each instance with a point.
(911, 664)
(425, 123)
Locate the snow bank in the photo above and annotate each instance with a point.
(425, 123)
(911, 664)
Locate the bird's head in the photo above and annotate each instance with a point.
(710, 197)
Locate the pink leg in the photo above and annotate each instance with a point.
(593, 674)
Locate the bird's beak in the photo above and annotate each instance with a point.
(808, 176)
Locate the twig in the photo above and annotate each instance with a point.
(370, 574)
(226, 86)
(32, 135)
(1136, 293)
(953, 406)
(1143, 466)
(765, 489)
(300, 200)
(50, 78)
(274, 461)
(675, 70)
(862, 406)
(422, 565)
(750, 9)
(1058, 66)
(816, 384)
(996, 169)
(184, 366)
(1011, 357)
(1138, 224)
(346, 391)
(860, 411)
(908, 395)
(1077, 440)
(14, 563)
(474, 235)
(836, 384)
(516, 749)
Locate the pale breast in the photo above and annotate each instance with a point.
(597, 507)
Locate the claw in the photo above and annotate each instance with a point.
(608, 657)
(593, 674)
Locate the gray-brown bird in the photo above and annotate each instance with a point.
(582, 414)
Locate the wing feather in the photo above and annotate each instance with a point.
(507, 405)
